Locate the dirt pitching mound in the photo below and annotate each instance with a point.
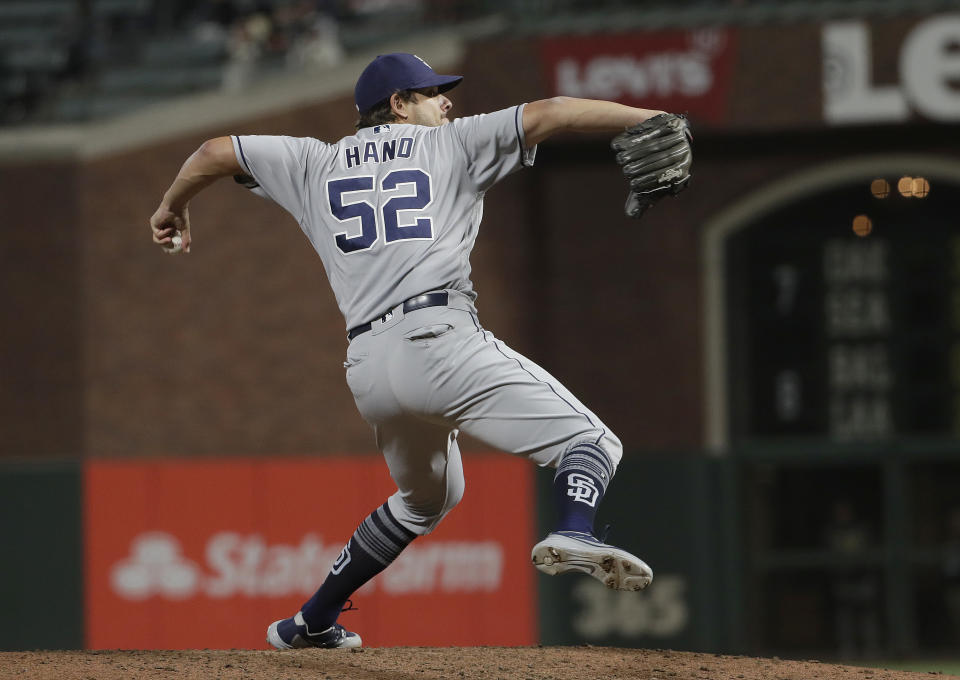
(427, 663)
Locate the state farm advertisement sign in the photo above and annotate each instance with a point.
(207, 554)
(679, 71)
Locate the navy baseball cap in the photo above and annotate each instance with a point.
(390, 73)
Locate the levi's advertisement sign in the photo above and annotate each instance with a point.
(679, 71)
(206, 554)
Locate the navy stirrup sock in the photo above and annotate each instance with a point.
(376, 543)
(579, 485)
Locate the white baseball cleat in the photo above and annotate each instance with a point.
(565, 551)
(294, 633)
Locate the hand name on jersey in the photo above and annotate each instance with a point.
(378, 152)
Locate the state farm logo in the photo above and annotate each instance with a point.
(155, 566)
(683, 69)
(247, 565)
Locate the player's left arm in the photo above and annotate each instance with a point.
(214, 159)
(546, 117)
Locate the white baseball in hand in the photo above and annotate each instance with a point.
(176, 244)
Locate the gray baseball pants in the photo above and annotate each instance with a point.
(420, 378)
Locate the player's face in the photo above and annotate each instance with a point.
(429, 107)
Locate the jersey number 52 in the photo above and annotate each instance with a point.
(345, 210)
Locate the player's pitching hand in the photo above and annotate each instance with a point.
(171, 230)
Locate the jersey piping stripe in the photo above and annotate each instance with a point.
(527, 371)
(243, 156)
(516, 125)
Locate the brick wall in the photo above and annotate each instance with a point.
(41, 412)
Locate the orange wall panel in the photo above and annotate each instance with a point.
(205, 554)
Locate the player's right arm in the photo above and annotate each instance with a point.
(214, 159)
(546, 117)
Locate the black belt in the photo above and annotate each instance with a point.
(418, 302)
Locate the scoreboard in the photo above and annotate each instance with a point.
(843, 314)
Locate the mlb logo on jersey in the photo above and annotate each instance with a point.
(378, 128)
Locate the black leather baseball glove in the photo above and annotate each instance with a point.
(655, 156)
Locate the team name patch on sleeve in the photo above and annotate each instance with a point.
(378, 152)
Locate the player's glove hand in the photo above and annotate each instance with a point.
(655, 156)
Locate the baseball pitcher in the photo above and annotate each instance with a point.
(393, 212)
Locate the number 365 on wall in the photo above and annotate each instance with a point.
(661, 611)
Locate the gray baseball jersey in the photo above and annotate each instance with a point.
(393, 212)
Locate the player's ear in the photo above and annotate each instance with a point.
(398, 106)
